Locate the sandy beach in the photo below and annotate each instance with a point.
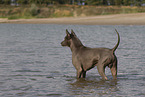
(117, 19)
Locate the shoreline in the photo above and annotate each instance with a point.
(115, 19)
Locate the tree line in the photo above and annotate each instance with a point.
(76, 2)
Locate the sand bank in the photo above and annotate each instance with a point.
(117, 19)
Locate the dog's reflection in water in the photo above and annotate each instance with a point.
(93, 86)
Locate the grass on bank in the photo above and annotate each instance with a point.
(34, 11)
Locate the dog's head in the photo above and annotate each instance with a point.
(68, 38)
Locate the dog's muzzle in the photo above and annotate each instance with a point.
(63, 43)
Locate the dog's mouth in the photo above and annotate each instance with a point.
(63, 43)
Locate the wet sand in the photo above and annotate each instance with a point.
(117, 19)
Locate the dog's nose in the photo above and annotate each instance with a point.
(61, 43)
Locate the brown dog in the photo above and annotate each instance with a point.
(85, 58)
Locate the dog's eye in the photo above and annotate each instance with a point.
(66, 38)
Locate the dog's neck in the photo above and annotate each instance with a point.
(75, 44)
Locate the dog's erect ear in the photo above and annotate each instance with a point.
(67, 33)
(73, 33)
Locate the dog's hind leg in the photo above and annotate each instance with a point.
(101, 70)
(114, 69)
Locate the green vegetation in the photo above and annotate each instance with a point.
(76, 2)
(35, 11)
(15, 9)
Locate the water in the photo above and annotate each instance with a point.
(33, 63)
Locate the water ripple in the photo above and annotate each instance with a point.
(33, 63)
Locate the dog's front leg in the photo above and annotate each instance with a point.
(84, 74)
(79, 73)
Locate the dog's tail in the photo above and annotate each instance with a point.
(117, 42)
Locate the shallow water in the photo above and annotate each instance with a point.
(33, 63)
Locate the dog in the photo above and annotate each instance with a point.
(85, 58)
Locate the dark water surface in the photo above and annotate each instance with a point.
(33, 63)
